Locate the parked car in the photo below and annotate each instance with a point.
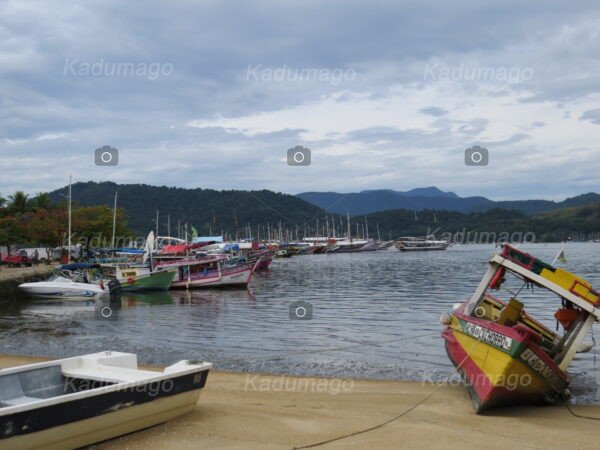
(20, 259)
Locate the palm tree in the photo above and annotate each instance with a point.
(18, 202)
(41, 201)
(2, 201)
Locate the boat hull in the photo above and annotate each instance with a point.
(264, 264)
(228, 277)
(404, 248)
(154, 281)
(107, 426)
(91, 403)
(501, 367)
(60, 290)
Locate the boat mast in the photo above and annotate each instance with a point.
(70, 218)
(349, 237)
(112, 242)
(157, 223)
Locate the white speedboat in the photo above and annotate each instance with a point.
(75, 402)
(69, 281)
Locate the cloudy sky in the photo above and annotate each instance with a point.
(385, 94)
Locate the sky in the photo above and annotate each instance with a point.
(384, 95)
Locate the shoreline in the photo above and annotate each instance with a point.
(17, 275)
(233, 414)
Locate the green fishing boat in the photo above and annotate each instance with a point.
(135, 279)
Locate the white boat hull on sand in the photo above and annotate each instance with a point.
(75, 402)
(108, 426)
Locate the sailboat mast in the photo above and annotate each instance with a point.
(112, 242)
(70, 219)
(349, 237)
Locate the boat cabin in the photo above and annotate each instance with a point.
(578, 302)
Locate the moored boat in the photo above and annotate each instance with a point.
(505, 356)
(347, 246)
(211, 271)
(263, 258)
(75, 402)
(134, 279)
(385, 245)
(425, 243)
(70, 281)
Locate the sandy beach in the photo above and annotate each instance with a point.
(242, 411)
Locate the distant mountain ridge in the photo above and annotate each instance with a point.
(431, 198)
(232, 211)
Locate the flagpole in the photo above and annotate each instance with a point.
(559, 254)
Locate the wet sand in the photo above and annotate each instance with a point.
(235, 413)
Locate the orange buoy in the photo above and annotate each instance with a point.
(566, 317)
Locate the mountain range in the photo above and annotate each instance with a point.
(233, 211)
(370, 201)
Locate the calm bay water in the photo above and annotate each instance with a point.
(375, 315)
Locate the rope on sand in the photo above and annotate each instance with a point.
(383, 424)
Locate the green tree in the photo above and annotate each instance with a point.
(41, 201)
(47, 227)
(11, 231)
(18, 203)
(92, 226)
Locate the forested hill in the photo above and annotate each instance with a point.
(232, 211)
(205, 209)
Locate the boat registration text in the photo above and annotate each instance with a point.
(488, 336)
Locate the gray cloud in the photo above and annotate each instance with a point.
(434, 111)
(592, 115)
(51, 119)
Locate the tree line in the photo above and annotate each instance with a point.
(37, 221)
